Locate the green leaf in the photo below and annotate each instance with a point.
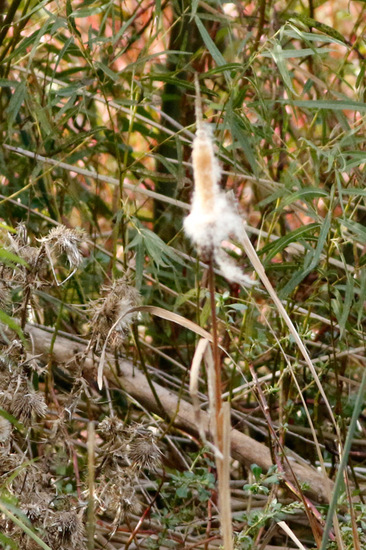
(357, 229)
(211, 46)
(257, 471)
(296, 33)
(106, 70)
(275, 247)
(11, 259)
(304, 195)
(329, 104)
(347, 303)
(86, 12)
(241, 134)
(7, 542)
(13, 325)
(292, 53)
(326, 29)
(16, 102)
(19, 426)
(278, 57)
(313, 256)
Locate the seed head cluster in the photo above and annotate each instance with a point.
(111, 312)
(126, 451)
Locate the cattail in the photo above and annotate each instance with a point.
(214, 216)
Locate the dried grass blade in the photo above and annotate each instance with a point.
(193, 383)
(291, 534)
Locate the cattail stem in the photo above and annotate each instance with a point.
(215, 346)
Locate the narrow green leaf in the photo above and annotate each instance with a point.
(314, 259)
(106, 70)
(278, 57)
(334, 105)
(211, 46)
(13, 325)
(304, 195)
(362, 298)
(240, 133)
(273, 248)
(86, 12)
(326, 29)
(357, 229)
(9, 258)
(296, 33)
(16, 102)
(304, 52)
(5, 509)
(348, 299)
(19, 426)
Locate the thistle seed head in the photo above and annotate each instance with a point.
(111, 428)
(26, 405)
(112, 310)
(66, 531)
(143, 451)
(64, 240)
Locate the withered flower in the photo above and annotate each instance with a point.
(143, 451)
(111, 311)
(25, 405)
(111, 427)
(66, 241)
(66, 531)
(118, 497)
(4, 295)
(5, 430)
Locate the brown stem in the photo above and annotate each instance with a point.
(262, 13)
(216, 355)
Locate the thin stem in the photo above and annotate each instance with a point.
(215, 345)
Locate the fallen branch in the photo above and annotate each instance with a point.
(243, 448)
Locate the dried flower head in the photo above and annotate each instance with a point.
(214, 216)
(111, 427)
(5, 431)
(4, 295)
(66, 531)
(113, 311)
(64, 240)
(35, 505)
(143, 451)
(25, 405)
(118, 497)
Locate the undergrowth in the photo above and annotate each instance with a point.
(130, 338)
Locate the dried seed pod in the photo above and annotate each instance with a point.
(64, 240)
(25, 405)
(111, 428)
(143, 451)
(112, 310)
(65, 531)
